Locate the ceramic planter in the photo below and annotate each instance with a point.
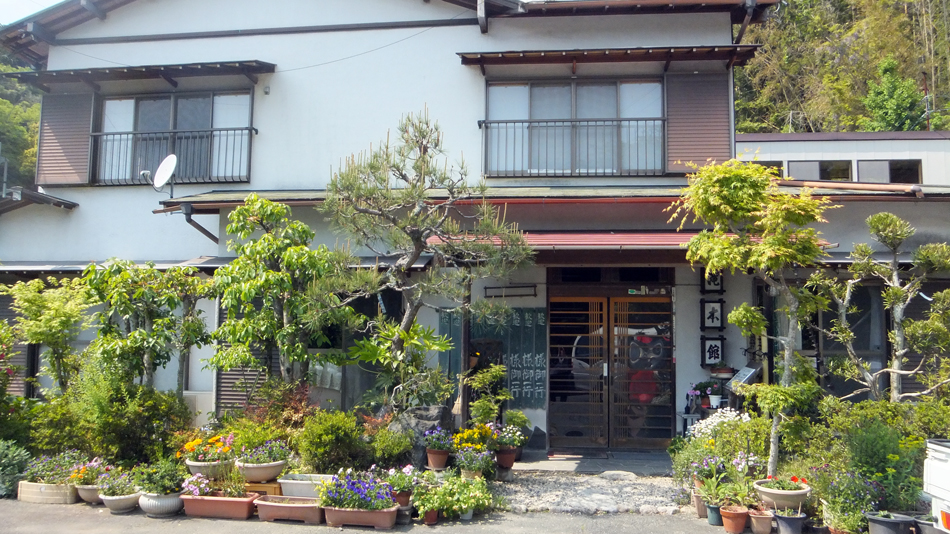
(715, 401)
(505, 457)
(780, 499)
(734, 518)
(898, 524)
(303, 485)
(46, 493)
(437, 458)
(121, 504)
(402, 497)
(713, 516)
(926, 527)
(811, 527)
(159, 505)
(89, 493)
(261, 472)
(700, 506)
(274, 507)
(790, 524)
(209, 469)
(379, 519)
(219, 506)
(761, 522)
(430, 517)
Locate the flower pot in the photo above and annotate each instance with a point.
(379, 519)
(505, 457)
(811, 527)
(209, 469)
(761, 522)
(121, 504)
(790, 524)
(926, 527)
(466, 473)
(160, 505)
(437, 458)
(46, 493)
(472, 362)
(734, 518)
(89, 493)
(713, 515)
(219, 506)
(467, 515)
(700, 506)
(704, 402)
(430, 517)
(780, 499)
(304, 485)
(715, 401)
(261, 472)
(899, 524)
(402, 497)
(274, 507)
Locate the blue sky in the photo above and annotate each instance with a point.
(14, 10)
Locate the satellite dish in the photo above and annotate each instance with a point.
(165, 171)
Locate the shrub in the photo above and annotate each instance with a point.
(56, 428)
(164, 477)
(13, 460)
(331, 441)
(53, 469)
(251, 434)
(392, 448)
(16, 416)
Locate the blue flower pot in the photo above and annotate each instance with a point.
(713, 515)
(790, 524)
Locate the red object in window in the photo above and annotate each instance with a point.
(643, 386)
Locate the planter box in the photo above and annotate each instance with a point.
(261, 472)
(379, 519)
(221, 507)
(46, 493)
(301, 485)
(306, 509)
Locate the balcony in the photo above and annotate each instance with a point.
(574, 147)
(217, 155)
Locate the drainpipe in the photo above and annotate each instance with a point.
(3, 160)
(750, 9)
(188, 210)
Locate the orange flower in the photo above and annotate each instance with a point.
(794, 478)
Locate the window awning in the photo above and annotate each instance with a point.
(248, 68)
(607, 240)
(17, 198)
(738, 54)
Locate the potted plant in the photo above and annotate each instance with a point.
(118, 491)
(722, 370)
(161, 485)
(761, 519)
(508, 438)
(518, 419)
(462, 497)
(927, 524)
(46, 479)
(712, 493)
(212, 457)
(264, 463)
(734, 518)
(708, 390)
(85, 477)
(353, 498)
(473, 463)
(402, 481)
(438, 446)
(789, 520)
(231, 501)
(816, 525)
(783, 493)
(845, 499)
(274, 507)
(885, 522)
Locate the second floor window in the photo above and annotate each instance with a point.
(608, 128)
(209, 132)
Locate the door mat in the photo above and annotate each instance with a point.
(561, 454)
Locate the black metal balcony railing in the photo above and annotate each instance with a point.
(602, 147)
(204, 156)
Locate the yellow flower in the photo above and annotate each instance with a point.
(893, 457)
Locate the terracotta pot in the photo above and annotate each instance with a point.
(89, 493)
(472, 362)
(437, 458)
(402, 497)
(470, 474)
(209, 469)
(217, 505)
(304, 485)
(734, 518)
(261, 472)
(274, 507)
(430, 517)
(700, 506)
(834, 530)
(380, 519)
(46, 493)
(158, 505)
(780, 499)
(761, 522)
(505, 458)
(121, 504)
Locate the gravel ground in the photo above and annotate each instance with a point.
(609, 492)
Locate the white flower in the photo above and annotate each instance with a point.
(407, 470)
(706, 427)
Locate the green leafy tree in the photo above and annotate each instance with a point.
(894, 104)
(52, 313)
(404, 202)
(19, 132)
(278, 293)
(754, 226)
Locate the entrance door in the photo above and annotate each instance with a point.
(608, 390)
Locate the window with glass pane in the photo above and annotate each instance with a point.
(231, 112)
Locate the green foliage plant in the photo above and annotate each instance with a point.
(232, 483)
(164, 477)
(117, 482)
(754, 226)
(486, 385)
(54, 469)
(713, 490)
(462, 494)
(55, 427)
(13, 461)
(845, 497)
(392, 448)
(516, 418)
(331, 441)
(880, 454)
(894, 104)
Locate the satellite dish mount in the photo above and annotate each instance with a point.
(165, 174)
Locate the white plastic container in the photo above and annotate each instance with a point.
(937, 480)
(301, 485)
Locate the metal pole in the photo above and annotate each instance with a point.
(3, 188)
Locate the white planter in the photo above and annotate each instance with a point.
(261, 472)
(36, 492)
(121, 504)
(467, 515)
(301, 485)
(89, 493)
(209, 469)
(158, 505)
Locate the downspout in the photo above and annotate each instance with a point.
(750, 9)
(188, 210)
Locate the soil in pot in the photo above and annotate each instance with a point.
(897, 524)
(734, 518)
(713, 516)
(790, 524)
